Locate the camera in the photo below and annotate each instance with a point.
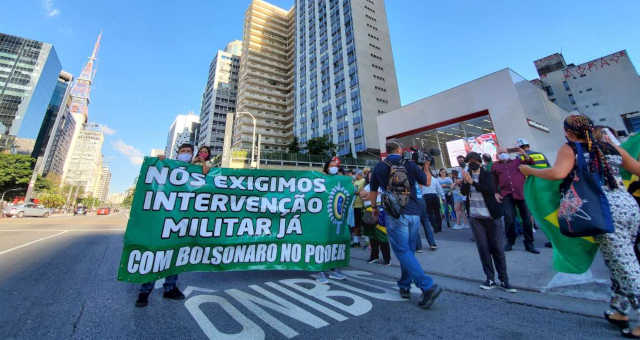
(421, 157)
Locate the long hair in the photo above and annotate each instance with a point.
(208, 151)
(582, 127)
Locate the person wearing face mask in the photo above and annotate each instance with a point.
(510, 192)
(331, 167)
(171, 291)
(486, 222)
(202, 158)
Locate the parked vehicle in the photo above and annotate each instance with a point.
(103, 211)
(27, 209)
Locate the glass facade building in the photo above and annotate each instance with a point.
(29, 70)
(51, 115)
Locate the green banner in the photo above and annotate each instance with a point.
(234, 219)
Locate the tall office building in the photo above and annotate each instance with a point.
(345, 73)
(184, 129)
(28, 73)
(102, 191)
(85, 160)
(54, 109)
(57, 146)
(266, 77)
(605, 89)
(219, 96)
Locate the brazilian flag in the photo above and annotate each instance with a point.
(570, 255)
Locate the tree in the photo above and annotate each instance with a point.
(294, 146)
(128, 200)
(44, 184)
(52, 200)
(320, 146)
(15, 172)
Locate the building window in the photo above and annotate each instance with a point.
(595, 104)
(588, 90)
(573, 101)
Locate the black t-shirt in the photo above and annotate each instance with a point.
(380, 178)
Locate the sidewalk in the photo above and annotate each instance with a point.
(457, 257)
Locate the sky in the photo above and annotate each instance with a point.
(154, 59)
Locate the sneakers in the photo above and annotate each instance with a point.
(433, 247)
(373, 260)
(336, 275)
(143, 300)
(173, 294)
(507, 287)
(488, 285)
(405, 293)
(457, 227)
(322, 278)
(429, 296)
(419, 251)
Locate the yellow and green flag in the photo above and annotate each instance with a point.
(632, 146)
(570, 254)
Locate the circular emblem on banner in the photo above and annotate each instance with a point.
(337, 207)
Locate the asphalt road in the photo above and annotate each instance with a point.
(58, 281)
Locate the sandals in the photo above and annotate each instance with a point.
(624, 324)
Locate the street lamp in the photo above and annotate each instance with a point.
(253, 138)
(14, 189)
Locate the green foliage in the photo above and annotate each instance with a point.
(52, 200)
(320, 146)
(44, 184)
(15, 172)
(90, 202)
(294, 146)
(128, 200)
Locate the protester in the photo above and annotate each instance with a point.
(404, 176)
(171, 291)
(458, 201)
(539, 159)
(424, 216)
(510, 184)
(488, 161)
(606, 160)
(358, 183)
(375, 228)
(446, 182)
(431, 194)
(331, 167)
(486, 221)
(202, 158)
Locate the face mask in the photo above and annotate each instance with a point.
(462, 164)
(184, 157)
(503, 156)
(203, 155)
(333, 170)
(474, 166)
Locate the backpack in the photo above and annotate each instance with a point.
(398, 191)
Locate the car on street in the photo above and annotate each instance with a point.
(80, 211)
(27, 209)
(103, 211)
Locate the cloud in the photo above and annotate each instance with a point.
(108, 131)
(135, 156)
(49, 7)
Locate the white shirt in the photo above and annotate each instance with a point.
(434, 188)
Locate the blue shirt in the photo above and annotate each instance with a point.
(380, 178)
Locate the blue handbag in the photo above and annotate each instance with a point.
(584, 209)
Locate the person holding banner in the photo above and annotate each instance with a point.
(331, 167)
(202, 159)
(171, 291)
(606, 160)
(393, 173)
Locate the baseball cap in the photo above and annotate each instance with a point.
(521, 142)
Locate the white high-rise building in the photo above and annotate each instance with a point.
(606, 89)
(219, 96)
(85, 162)
(184, 129)
(102, 191)
(345, 73)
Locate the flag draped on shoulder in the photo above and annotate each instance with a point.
(632, 146)
(570, 255)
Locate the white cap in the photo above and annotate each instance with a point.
(521, 141)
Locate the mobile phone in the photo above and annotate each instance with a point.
(613, 138)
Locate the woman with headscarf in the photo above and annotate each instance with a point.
(617, 248)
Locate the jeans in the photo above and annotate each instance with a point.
(510, 204)
(489, 239)
(433, 211)
(426, 225)
(169, 284)
(399, 237)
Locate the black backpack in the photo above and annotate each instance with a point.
(398, 191)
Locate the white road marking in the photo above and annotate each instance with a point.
(32, 242)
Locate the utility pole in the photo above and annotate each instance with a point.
(32, 182)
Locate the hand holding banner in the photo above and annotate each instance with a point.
(234, 219)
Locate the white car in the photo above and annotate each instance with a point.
(27, 209)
